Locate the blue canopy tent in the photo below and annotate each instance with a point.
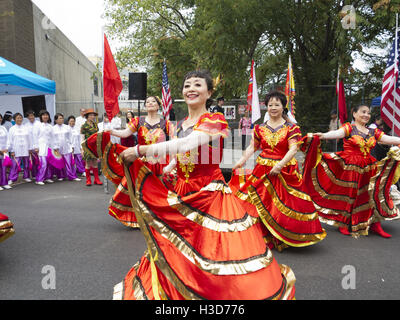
(17, 83)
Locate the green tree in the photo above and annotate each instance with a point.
(225, 35)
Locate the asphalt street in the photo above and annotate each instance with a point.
(64, 227)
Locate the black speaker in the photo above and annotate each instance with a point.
(137, 86)
(35, 104)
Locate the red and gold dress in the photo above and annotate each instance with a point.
(202, 244)
(283, 205)
(6, 227)
(120, 204)
(350, 188)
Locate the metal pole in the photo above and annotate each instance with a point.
(395, 67)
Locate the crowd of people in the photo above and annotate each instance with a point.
(172, 189)
(208, 238)
(46, 150)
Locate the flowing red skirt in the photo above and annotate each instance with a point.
(348, 189)
(6, 227)
(286, 210)
(204, 245)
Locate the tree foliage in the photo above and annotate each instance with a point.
(224, 36)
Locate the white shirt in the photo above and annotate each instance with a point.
(76, 140)
(62, 138)
(79, 121)
(19, 141)
(8, 125)
(34, 132)
(45, 138)
(116, 123)
(3, 138)
(105, 125)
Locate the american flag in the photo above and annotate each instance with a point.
(390, 102)
(166, 93)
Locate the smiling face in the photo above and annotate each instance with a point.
(152, 104)
(18, 119)
(362, 116)
(71, 122)
(91, 117)
(45, 117)
(275, 108)
(31, 118)
(195, 92)
(60, 120)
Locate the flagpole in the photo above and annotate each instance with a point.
(337, 103)
(395, 66)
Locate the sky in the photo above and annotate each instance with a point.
(79, 20)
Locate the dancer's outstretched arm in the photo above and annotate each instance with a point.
(246, 155)
(390, 140)
(171, 147)
(125, 133)
(336, 134)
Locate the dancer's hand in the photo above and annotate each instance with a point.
(239, 164)
(320, 135)
(275, 170)
(128, 156)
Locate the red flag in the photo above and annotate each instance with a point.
(341, 99)
(111, 82)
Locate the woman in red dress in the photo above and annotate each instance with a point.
(350, 188)
(275, 186)
(6, 227)
(202, 244)
(150, 129)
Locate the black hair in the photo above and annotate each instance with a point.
(275, 94)
(29, 112)
(41, 113)
(203, 74)
(126, 116)
(155, 98)
(71, 117)
(16, 115)
(7, 116)
(57, 115)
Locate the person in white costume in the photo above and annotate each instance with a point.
(116, 124)
(33, 126)
(76, 146)
(45, 140)
(19, 145)
(63, 144)
(80, 120)
(3, 153)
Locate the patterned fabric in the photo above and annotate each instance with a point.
(204, 245)
(284, 207)
(87, 130)
(350, 188)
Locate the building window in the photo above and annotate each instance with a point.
(96, 86)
